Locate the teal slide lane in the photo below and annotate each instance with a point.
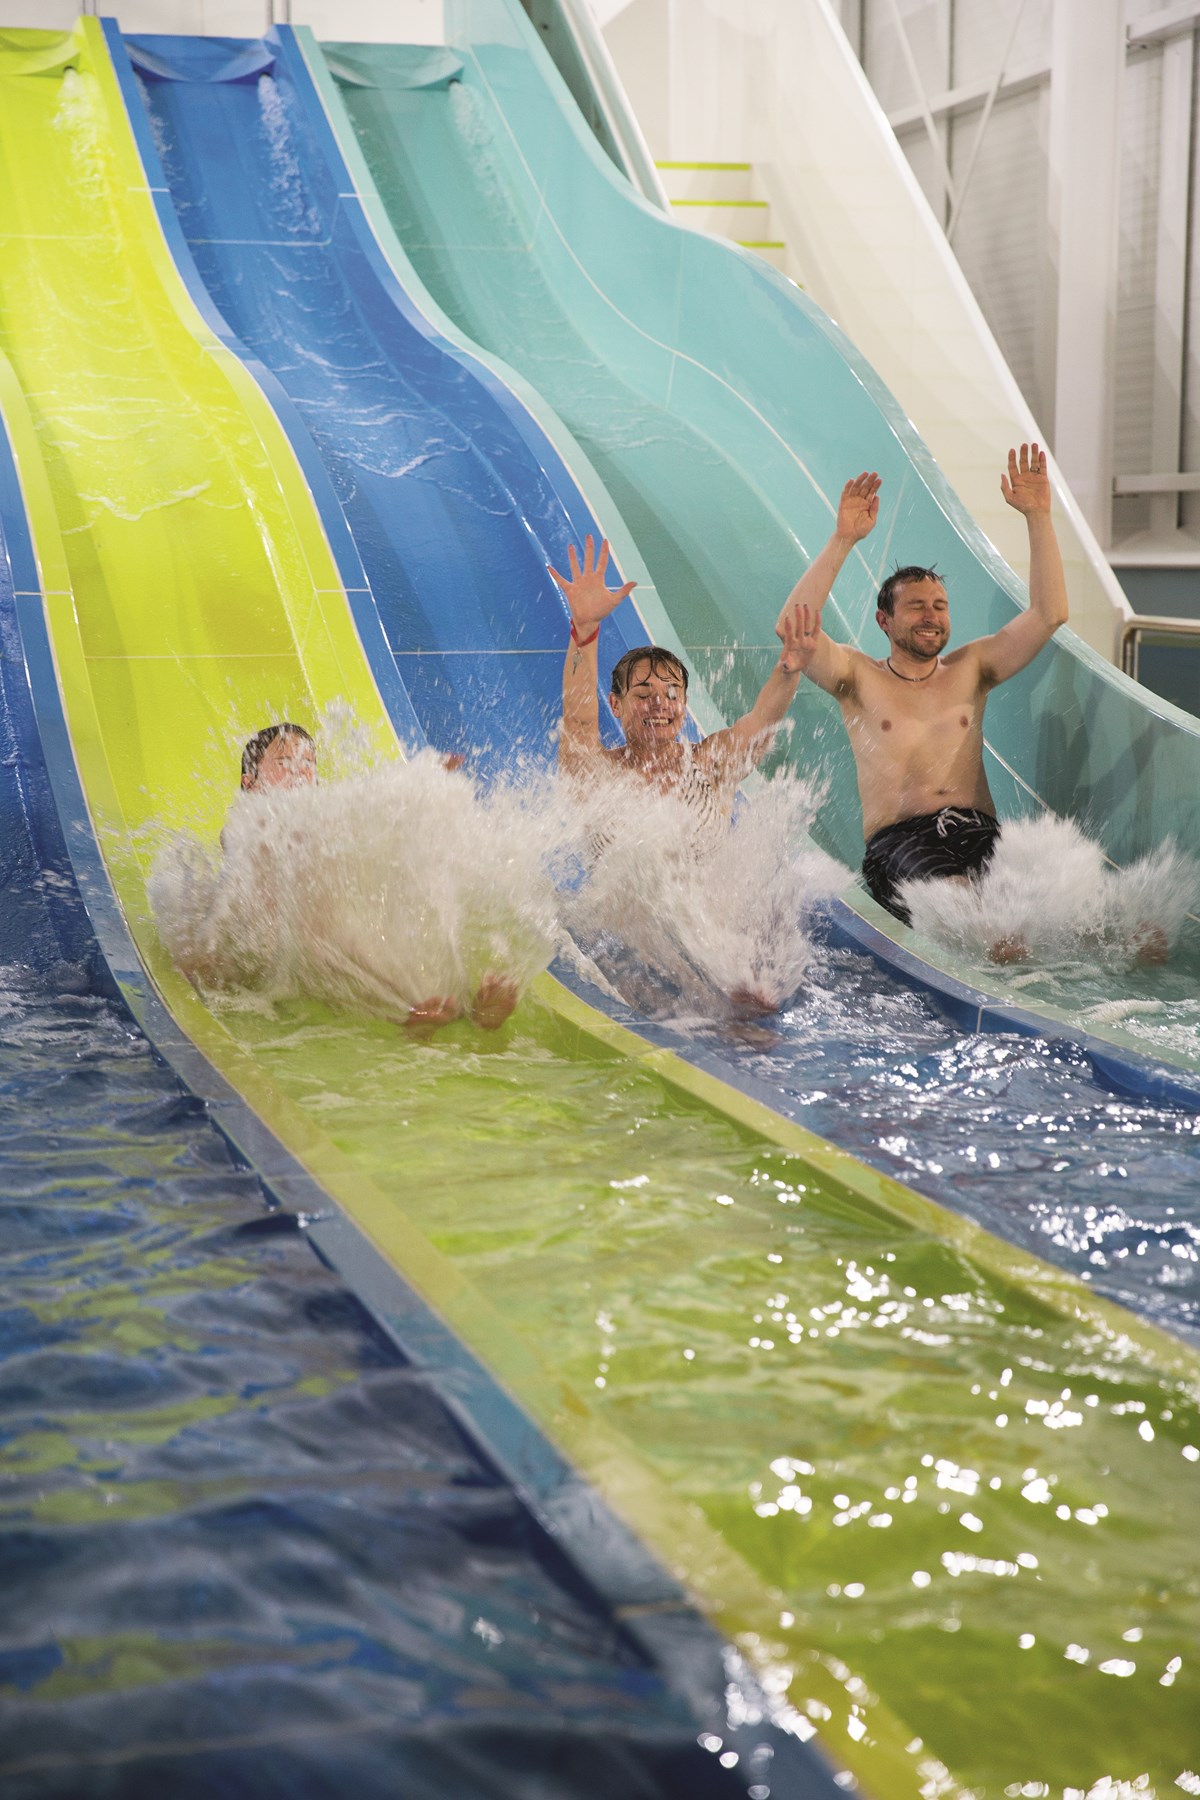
(722, 412)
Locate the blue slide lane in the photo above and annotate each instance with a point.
(456, 500)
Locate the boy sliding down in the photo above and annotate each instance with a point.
(668, 887)
(648, 697)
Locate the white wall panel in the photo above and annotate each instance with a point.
(1135, 286)
(927, 28)
(982, 30)
(46, 15)
(927, 168)
(1190, 517)
(1000, 238)
(639, 40)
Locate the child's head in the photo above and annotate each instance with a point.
(279, 756)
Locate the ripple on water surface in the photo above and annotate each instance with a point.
(972, 1494)
(1014, 1131)
(243, 1548)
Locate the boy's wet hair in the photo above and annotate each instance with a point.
(260, 743)
(897, 578)
(662, 662)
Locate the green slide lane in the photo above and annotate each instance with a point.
(930, 1486)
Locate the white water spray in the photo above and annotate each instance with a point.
(397, 883)
(375, 892)
(692, 919)
(1048, 894)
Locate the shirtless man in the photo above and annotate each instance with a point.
(648, 697)
(915, 716)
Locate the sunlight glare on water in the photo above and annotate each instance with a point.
(928, 1463)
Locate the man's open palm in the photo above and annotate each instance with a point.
(798, 629)
(1027, 485)
(858, 507)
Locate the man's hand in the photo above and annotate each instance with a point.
(586, 595)
(1027, 485)
(858, 507)
(799, 628)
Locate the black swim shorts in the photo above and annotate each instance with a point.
(955, 841)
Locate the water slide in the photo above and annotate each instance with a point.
(651, 1377)
(721, 410)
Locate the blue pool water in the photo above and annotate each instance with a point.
(243, 1548)
(1014, 1131)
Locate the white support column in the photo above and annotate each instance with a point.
(1087, 64)
(1170, 287)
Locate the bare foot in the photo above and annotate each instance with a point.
(494, 1000)
(754, 1037)
(424, 1018)
(749, 1003)
(1148, 943)
(1011, 949)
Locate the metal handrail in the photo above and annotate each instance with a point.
(1151, 625)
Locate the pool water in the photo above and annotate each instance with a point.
(245, 1549)
(966, 1496)
(1014, 1131)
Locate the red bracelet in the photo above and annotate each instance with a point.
(582, 643)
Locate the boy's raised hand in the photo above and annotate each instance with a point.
(586, 595)
(798, 629)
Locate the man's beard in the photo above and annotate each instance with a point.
(924, 649)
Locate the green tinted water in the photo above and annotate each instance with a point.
(980, 1514)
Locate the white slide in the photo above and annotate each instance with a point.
(864, 242)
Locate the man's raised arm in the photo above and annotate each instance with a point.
(589, 603)
(1026, 487)
(828, 662)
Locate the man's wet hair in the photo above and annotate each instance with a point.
(261, 742)
(662, 662)
(897, 578)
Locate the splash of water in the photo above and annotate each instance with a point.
(374, 892)
(387, 885)
(1049, 894)
(692, 919)
(294, 210)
